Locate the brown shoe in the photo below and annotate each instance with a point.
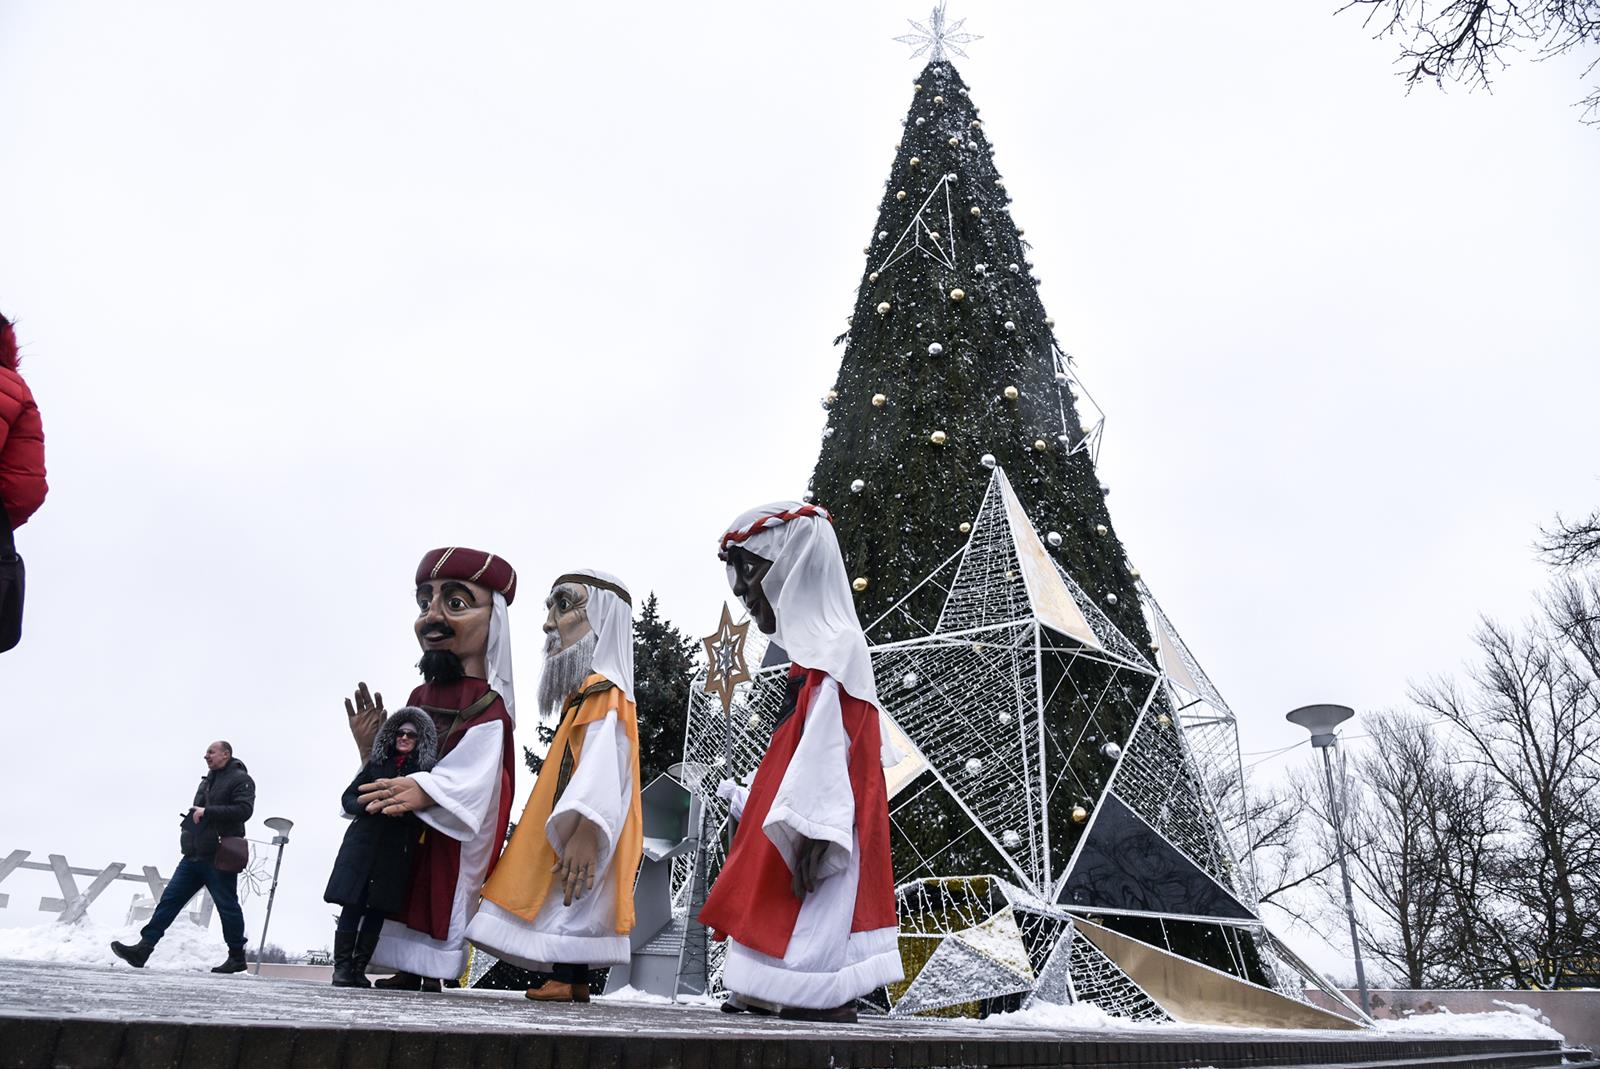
(555, 991)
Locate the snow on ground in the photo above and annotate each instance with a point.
(633, 995)
(1517, 1021)
(185, 948)
(1522, 1022)
(1045, 1017)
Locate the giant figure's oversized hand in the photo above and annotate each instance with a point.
(394, 797)
(576, 866)
(366, 715)
(806, 863)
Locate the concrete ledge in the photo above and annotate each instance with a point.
(117, 1016)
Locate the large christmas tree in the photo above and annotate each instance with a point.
(950, 369)
(951, 364)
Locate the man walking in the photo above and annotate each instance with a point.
(224, 801)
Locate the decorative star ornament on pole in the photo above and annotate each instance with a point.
(938, 37)
(726, 666)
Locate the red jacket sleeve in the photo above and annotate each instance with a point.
(22, 479)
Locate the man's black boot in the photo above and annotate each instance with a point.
(400, 981)
(344, 970)
(235, 962)
(135, 954)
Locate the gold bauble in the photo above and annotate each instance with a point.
(858, 584)
(954, 142)
(975, 124)
(1049, 322)
(934, 234)
(916, 87)
(1079, 814)
(976, 211)
(832, 396)
(900, 195)
(883, 308)
(938, 100)
(915, 161)
(1101, 529)
(873, 277)
(878, 400)
(938, 438)
(1133, 573)
(1011, 393)
(1164, 720)
(965, 528)
(1040, 445)
(1001, 182)
(958, 295)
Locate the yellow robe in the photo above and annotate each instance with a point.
(522, 879)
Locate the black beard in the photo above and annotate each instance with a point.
(441, 666)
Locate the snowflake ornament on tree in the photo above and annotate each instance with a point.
(937, 39)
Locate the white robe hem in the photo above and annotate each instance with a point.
(510, 938)
(748, 972)
(405, 950)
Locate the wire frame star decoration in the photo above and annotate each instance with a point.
(726, 666)
(938, 39)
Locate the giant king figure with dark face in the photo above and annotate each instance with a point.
(464, 801)
(806, 899)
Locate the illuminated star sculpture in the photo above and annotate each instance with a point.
(726, 667)
(938, 37)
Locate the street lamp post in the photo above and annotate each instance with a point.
(1321, 720)
(280, 838)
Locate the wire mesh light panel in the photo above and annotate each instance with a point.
(1045, 740)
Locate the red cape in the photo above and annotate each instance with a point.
(436, 862)
(752, 900)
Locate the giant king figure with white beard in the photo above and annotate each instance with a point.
(561, 899)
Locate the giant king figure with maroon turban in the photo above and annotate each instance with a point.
(464, 801)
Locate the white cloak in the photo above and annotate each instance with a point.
(584, 933)
(826, 964)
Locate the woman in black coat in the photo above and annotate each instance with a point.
(373, 869)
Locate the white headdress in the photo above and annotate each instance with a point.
(610, 611)
(497, 656)
(809, 591)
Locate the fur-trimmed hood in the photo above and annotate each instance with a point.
(427, 752)
(8, 345)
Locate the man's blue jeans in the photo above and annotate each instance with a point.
(192, 874)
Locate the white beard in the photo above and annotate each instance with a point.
(564, 672)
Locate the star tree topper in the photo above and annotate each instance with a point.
(726, 666)
(938, 37)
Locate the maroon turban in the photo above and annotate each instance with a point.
(472, 566)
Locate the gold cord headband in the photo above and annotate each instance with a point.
(599, 584)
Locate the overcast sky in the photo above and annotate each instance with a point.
(305, 289)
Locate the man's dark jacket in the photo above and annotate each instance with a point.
(228, 795)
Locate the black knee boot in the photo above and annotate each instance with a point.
(366, 943)
(344, 971)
